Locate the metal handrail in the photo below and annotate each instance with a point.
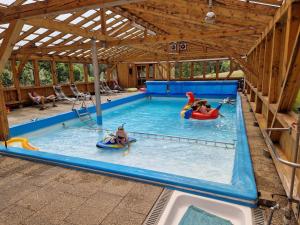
(274, 150)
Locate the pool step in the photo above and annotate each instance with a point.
(85, 116)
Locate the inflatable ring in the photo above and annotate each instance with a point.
(131, 89)
(24, 143)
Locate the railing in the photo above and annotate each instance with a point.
(211, 143)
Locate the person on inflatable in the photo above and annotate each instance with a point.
(121, 136)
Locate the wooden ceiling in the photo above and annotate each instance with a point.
(136, 30)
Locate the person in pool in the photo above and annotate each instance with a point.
(121, 136)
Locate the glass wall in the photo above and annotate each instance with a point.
(7, 75)
(45, 73)
(90, 70)
(78, 72)
(26, 77)
(198, 70)
(63, 72)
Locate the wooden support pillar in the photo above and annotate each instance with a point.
(71, 72)
(16, 79)
(261, 65)
(86, 73)
(268, 54)
(10, 37)
(217, 69)
(147, 71)
(168, 71)
(36, 75)
(53, 72)
(274, 66)
(96, 82)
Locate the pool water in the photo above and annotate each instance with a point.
(160, 115)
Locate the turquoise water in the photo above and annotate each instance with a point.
(155, 116)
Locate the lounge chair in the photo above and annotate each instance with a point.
(107, 88)
(104, 89)
(117, 86)
(61, 95)
(41, 100)
(80, 95)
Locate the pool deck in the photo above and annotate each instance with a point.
(39, 194)
(266, 176)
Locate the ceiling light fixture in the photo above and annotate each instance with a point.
(210, 15)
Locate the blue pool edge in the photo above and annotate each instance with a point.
(242, 191)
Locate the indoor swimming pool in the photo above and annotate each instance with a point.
(209, 158)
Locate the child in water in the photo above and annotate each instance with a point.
(121, 136)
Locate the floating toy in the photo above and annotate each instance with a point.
(24, 143)
(110, 143)
(143, 89)
(187, 111)
(131, 89)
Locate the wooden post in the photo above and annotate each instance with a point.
(96, 82)
(168, 71)
(16, 78)
(37, 82)
(71, 72)
(10, 38)
(53, 72)
(86, 73)
(147, 71)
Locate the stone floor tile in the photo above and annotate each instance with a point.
(121, 216)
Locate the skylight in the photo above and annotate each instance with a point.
(77, 20)
(54, 34)
(63, 17)
(31, 37)
(89, 13)
(88, 24)
(41, 31)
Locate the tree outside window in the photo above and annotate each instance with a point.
(45, 73)
(6, 76)
(26, 77)
(78, 72)
(62, 70)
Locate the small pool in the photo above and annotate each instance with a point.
(217, 166)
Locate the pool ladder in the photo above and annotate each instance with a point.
(84, 115)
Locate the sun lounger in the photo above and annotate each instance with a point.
(117, 86)
(61, 95)
(78, 94)
(41, 100)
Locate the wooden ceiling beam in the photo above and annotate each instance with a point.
(49, 7)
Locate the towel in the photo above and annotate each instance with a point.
(196, 216)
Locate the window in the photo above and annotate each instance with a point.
(7, 75)
(45, 73)
(151, 71)
(210, 69)
(237, 72)
(177, 70)
(62, 70)
(90, 73)
(27, 77)
(296, 104)
(186, 70)
(198, 70)
(224, 68)
(158, 72)
(78, 72)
